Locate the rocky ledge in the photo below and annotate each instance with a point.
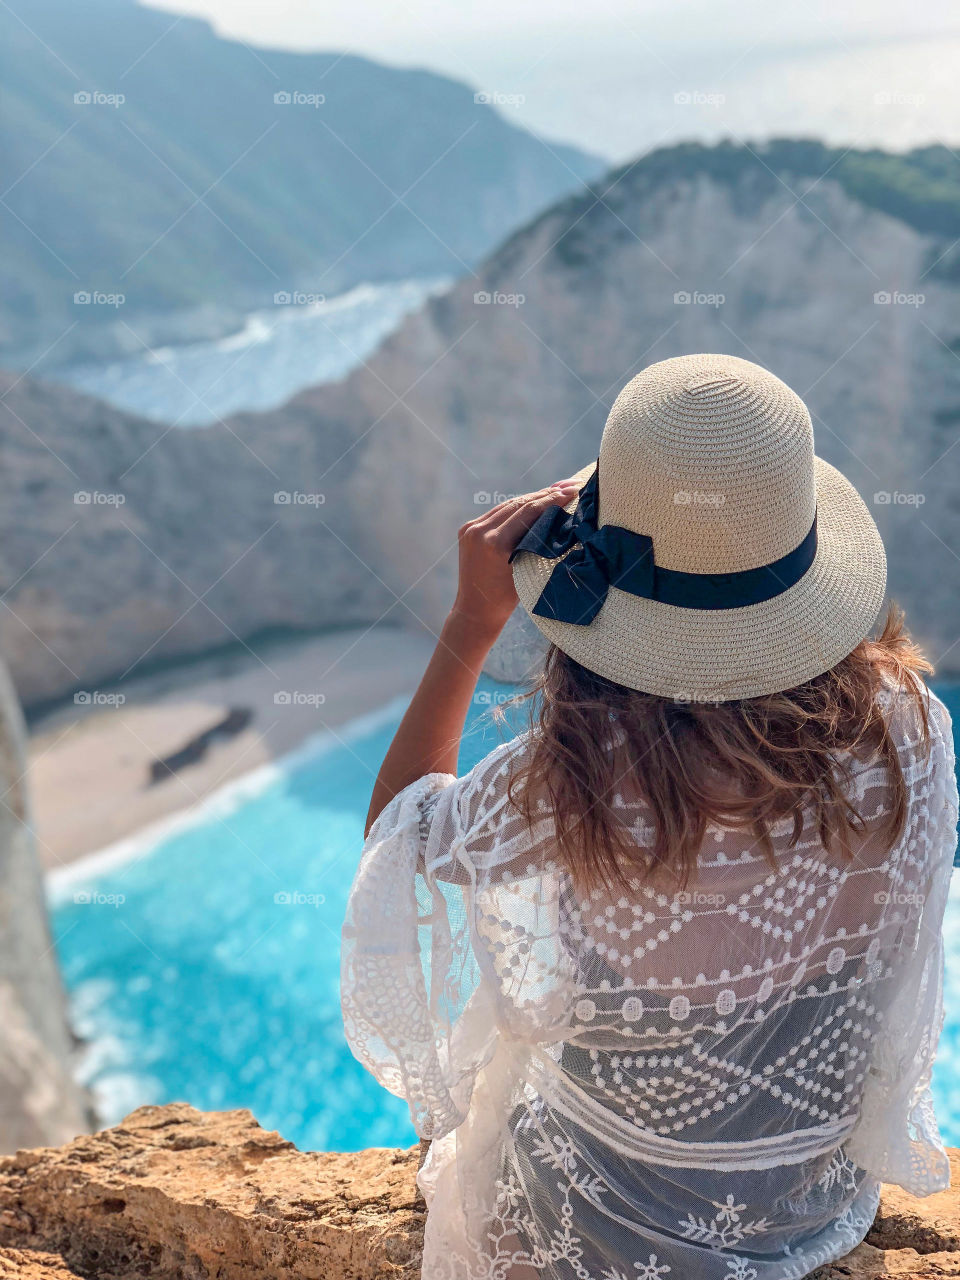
(178, 1194)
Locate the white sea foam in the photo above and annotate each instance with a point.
(276, 352)
(256, 329)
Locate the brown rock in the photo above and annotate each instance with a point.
(930, 1226)
(173, 1192)
(178, 1194)
(31, 1264)
(869, 1263)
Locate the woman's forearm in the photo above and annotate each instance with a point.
(428, 739)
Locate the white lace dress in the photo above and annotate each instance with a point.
(702, 1087)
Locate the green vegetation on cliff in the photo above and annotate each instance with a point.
(920, 187)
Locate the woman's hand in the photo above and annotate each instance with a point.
(486, 595)
(428, 739)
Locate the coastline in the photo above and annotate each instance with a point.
(62, 881)
(93, 804)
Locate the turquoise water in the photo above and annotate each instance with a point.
(206, 969)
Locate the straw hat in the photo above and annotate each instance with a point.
(710, 555)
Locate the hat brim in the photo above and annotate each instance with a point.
(725, 654)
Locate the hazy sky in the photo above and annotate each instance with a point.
(606, 73)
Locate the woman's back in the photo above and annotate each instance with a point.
(767, 1027)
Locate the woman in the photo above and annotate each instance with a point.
(661, 978)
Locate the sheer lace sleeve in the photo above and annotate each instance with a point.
(897, 1139)
(408, 973)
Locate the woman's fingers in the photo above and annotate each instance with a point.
(558, 494)
(514, 521)
(485, 590)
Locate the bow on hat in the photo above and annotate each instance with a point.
(595, 559)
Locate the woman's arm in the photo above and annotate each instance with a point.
(428, 739)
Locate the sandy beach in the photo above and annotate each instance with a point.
(90, 764)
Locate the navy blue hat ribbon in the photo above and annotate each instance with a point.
(597, 558)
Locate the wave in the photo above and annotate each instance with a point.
(303, 340)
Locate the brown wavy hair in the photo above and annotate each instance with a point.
(745, 764)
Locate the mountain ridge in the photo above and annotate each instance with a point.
(199, 195)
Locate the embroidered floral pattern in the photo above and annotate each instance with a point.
(840, 1172)
(740, 1269)
(650, 1270)
(725, 1228)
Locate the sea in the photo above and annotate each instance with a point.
(202, 958)
(302, 340)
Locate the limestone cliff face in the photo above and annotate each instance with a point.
(173, 1193)
(123, 542)
(39, 1102)
(501, 385)
(515, 396)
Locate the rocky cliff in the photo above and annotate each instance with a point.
(176, 1194)
(778, 256)
(123, 542)
(39, 1101)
